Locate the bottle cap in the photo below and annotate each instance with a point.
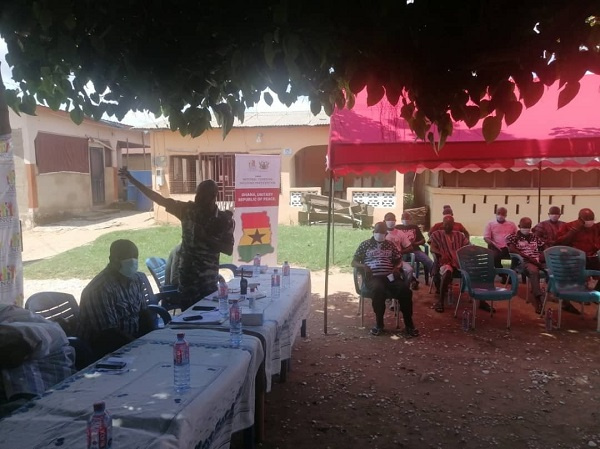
(180, 334)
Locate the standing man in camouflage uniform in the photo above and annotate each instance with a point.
(205, 233)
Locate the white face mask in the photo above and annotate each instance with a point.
(500, 218)
(390, 224)
(589, 223)
(129, 267)
(525, 231)
(379, 237)
(554, 218)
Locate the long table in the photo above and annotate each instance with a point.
(147, 412)
(283, 317)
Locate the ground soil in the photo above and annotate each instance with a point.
(491, 387)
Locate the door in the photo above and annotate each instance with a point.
(97, 172)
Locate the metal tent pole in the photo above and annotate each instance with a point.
(539, 209)
(329, 217)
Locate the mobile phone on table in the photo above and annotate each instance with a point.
(111, 365)
(204, 308)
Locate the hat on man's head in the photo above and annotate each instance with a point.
(447, 210)
(554, 210)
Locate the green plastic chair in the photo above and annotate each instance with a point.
(363, 292)
(568, 278)
(479, 274)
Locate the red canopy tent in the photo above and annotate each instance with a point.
(368, 139)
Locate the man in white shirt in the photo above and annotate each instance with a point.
(495, 236)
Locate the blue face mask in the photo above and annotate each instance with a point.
(129, 267)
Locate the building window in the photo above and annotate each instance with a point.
(220, 167)
(183, 174)
(55, 153)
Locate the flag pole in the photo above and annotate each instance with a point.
(329, 216)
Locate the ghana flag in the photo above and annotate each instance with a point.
(256, 235)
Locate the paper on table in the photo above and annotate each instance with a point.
(210, 317)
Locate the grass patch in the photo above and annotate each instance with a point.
(299, 245)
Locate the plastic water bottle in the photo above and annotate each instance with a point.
(275, 284)
(235, 324)
(549, 320)
(181, 363)
(466, 320)
(243, 285)
(99, 428)
(450, 295)
(223, 295)
(285, 273)
(256, 265)
(252, 298)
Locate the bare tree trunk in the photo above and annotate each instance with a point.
(11, 264)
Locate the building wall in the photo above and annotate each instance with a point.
(475, 207)
(57, 189)
(58, 193)
(285, 141)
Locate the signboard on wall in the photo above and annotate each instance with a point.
(257, 187)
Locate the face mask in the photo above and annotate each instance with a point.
(554, 218)
(129, 267)
(500, 218)
(589, 223)
(405, 222)
(525, 231)
(379, 237)
(390, 224)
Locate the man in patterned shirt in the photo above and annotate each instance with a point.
(444, 244)
(113, 309)
(529, 247)
(381, 261)
(34, 355)
(205, 233)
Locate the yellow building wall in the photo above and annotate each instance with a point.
(475, 207)
(285, 141)
(72, 192)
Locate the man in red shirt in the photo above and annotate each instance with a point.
(583, 234)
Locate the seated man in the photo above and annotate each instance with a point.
(416, 238)
(172, 267)
(401, 241)
(113, 309)
(530, 248)
(34, 355)
(584, 235)
(380, 258)
(457, 226)
(495, 233)
(444, 244)
(547, 230)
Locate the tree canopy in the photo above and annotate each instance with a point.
(443, 61)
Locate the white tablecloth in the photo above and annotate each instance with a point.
(282, 317)
(147, 412)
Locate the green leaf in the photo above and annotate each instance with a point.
(392, 94)
(532, 93)
(76, 115)
(375, 93)
(512, 111)
(491, 128)
(357, 82)
(350, 100)
(568, 93)
(28, 104)
(268, 98)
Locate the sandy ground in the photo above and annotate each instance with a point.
(489, 388)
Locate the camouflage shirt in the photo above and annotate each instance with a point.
(204, 235)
